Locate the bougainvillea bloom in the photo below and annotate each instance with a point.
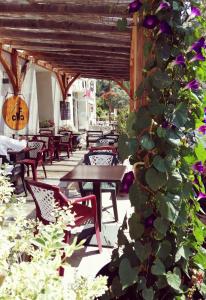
(180, 60)
(165, 27)
(198, 166)
(134, 6)
(202, 129)
(150, 21)
(198, 57)
(198, 45)
(193, 85)
(195, 12)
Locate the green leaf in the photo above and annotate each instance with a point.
(131, 121)
(180, 115)
(184, 252)
(203, 289)
(136, 229)
(137, 197)
(161, 225)
(148, 294)
(158, 267)
(200, 258)
(122, 24)
(173, 138)
(161, 80)
(142, 251)
(159, 164)
(161, 132)
(155, 179)
(169, 206)
(147, 142)
(128, 275)
(143, 120)
(174, 181)
(200, 152)
(141, 283)
(174, 279)
(164, 249)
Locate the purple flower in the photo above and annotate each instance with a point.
(165, 27)
(149, 221)
(134, 6)
(195, 12)
(165, 124)
(202, 129)
(198, 45)
(179, 60)
(198, 166)
(127, 181)
(193, 85)
(198, 57)
(163, 5)
(201, 195)
(150, 21)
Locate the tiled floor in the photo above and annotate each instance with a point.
(87, 260)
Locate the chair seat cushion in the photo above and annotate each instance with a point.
(88, 186)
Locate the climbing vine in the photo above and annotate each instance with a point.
(160, 253)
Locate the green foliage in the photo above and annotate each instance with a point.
(165, 240)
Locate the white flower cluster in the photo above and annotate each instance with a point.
(31, 255)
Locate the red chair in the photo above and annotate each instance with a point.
(103, 149)
(49, 146)
(65, 143)
(35, 157)
(45, 131)
(45, 196)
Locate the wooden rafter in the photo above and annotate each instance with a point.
(65, 83)
(64, 9)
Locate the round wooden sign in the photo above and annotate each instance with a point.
(15, 112)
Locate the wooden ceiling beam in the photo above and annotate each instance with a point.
(15, 34)
(113, 10)
(83, 60)
(81, 53)
(23, 44)
(71, 25)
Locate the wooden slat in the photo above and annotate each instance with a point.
(70, 25)
(64, 9)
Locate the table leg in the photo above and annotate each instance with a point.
(97, 193)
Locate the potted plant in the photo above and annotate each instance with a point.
(160, 253)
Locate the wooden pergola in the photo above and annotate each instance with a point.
(71, 38)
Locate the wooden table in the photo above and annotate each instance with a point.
(96, 174)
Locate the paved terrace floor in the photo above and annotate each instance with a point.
(87, 260)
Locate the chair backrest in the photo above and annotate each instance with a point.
(65, 132)
(45, 196)
(95, 133)
(65, 138)
(106, 141)
(112, 136)
(38, 145)
(100, 158)
(46, 131)
(48, 139)
(103, 149)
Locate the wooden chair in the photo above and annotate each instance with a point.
(103, 149)
(35, 157)
(45, 196)
(101, 159)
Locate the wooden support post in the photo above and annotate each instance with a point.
(136, 63)
(15, 72)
